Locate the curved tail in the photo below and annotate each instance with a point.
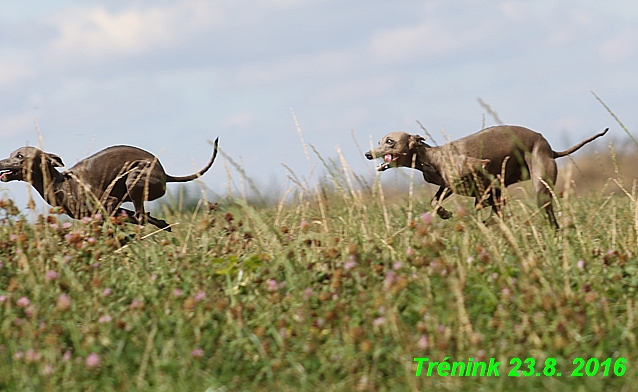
(579, 145)
(199, 173)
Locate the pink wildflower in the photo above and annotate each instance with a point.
(271, 285)
(92, 361)
(379, 321)
(64, 302)
(104, 319)
(423, 342)
(427, 218)
(200, 296)
(23, 302)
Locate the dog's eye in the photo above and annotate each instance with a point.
(19, 156)
(389, 141)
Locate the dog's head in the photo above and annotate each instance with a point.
(397, 149)
(24, 159)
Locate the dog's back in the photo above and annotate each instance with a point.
(104, 167)
(500, 143)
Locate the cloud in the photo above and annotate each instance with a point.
(576, 26)
(240, 120)
(96, 33)
(353, 90)
(11, 125)
(620, 48)
(433, 37)
(295, 68)
(569, 123)
(14, 72)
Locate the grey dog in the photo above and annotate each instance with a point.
(99, 183)
(469, 166)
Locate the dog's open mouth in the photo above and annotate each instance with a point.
(389, 161)
(9, 175)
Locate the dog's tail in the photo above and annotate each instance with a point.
(558, 154)
(199, 173)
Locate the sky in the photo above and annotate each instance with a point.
(167, 76)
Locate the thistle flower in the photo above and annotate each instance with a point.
(426, 218)
(423, 342)
(47, 370)
(51, 275)
(350, 264)
(104, 319)
(31, 356)
(200, 296)
(304, 225)
(23, 302)
(64, 302)
(271, 285)
(379, 321)
(197, 353)
(307, 293)
(92, 361)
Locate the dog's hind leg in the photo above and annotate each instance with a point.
(442, 194)
(142, 185)
(543, 173)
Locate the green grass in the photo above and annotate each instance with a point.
(339, 291)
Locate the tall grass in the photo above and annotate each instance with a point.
(338, 290)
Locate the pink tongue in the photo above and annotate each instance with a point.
(388, 158)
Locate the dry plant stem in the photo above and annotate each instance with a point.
(230, 180)
(280, 205)
(303, 143)
(191, 225)
(244, 177)
(386, 217)
(489, 111)
(411, 190)
(628, 334)
(322, 208)
(465, 326)
(146, 356)
(510, 238)
(347, 174)
(616, 118)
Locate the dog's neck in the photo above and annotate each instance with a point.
(50, 186)
(428, 161)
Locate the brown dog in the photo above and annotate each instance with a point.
(99, 183)
(469, 166)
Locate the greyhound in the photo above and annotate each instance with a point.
(99, 183)
(468, 166)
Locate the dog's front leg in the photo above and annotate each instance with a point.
(442, 194)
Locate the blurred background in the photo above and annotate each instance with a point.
(168, 76)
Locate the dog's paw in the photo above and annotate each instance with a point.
(443, 213)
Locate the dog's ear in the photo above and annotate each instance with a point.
(54, 160)
(416, 141)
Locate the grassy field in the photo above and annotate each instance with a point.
(338, 290)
